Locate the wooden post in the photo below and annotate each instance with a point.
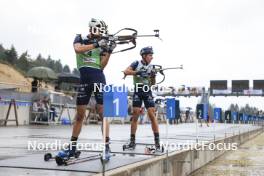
(8, 112)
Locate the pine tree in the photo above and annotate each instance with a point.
(58, 66)
(3, 55)
(76, 72)
(11, 55)
(23, 62)
(2, 49)
(66, 69)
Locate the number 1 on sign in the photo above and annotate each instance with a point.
(116, 102)
(171, 111)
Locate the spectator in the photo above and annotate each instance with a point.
(34, 85)
(52, 113)
(35, 106)
(46, 102)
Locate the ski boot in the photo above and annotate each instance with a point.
(66, 155)
(159, 148)
(154, 149)
(107, 154)
(130, 146)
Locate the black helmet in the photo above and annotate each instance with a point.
(146, 50)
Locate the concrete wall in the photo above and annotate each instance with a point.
(180, 163)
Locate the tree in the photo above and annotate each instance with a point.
(51, 63)
(11, 55)
(23, 62)
(2, 49)
(76, 72)
(40, 61)
(3, 55)
(58, 66)
(66, 69)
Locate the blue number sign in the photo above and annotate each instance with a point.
(217, 113)
(170, 109)
(115, 101)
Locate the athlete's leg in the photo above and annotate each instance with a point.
(83, 97)
(137, 103)
(77, 126)
(100, 109)
(134, 120)
(150, 106)
(153, 119)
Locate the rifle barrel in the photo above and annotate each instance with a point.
(126, 37)
(173, 68)
(155, 35)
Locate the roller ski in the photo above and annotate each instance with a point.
(130, 146)
(67, 162)
(154, 149)
(71, 157)
(49, 156)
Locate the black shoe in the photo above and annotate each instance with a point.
(158, 147)
(130, 146)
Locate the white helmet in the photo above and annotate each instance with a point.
(99, 25)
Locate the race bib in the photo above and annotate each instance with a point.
(89, 60)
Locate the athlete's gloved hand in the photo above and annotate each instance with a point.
(111, 47)
(153, 73)
(142, 73)
(101, 43)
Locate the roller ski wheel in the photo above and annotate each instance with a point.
(77, 154)
(60, 161)
(47, 156)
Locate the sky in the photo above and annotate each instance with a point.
(212, 39)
